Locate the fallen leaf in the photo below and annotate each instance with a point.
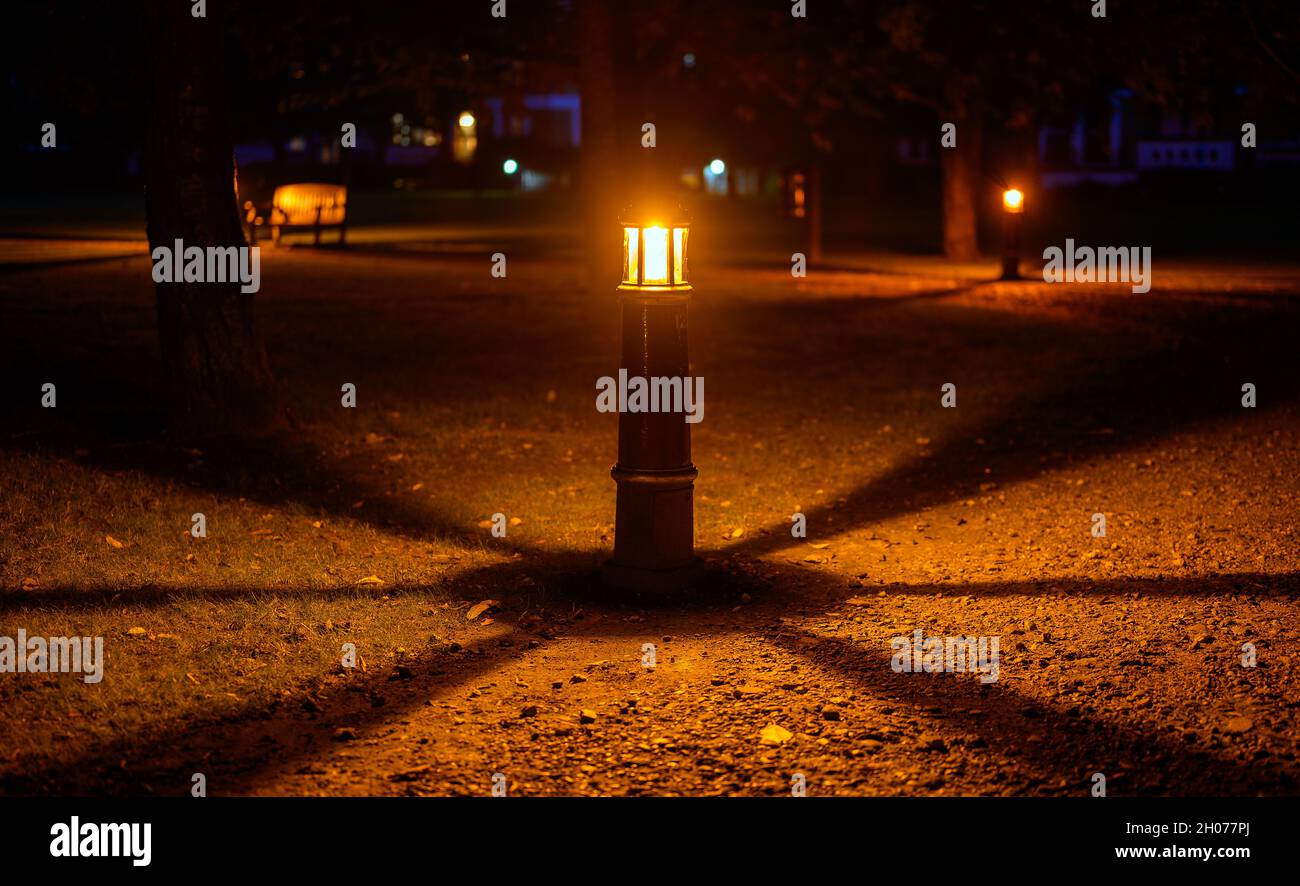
(773, 734)
(135, 632)
(370, 581)
(479, 608)
(114, 542)
(737, 532)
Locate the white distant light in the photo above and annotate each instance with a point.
(688, 60)
(510, 167)
(717, 167)
(466, 120)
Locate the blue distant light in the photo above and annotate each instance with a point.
(510, 167)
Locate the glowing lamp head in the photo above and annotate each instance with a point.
(510, 167)
(466, 120)
(654, 250)
(717, 167)
(1013, 200)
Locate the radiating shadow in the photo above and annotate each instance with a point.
(1117, 402)
(234, 748)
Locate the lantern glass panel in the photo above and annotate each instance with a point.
(656, 256)
(679, 255)
(631, 245)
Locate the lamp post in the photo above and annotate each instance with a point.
(1013, 214)
(654, 526)
(794, 193)
(802, 199)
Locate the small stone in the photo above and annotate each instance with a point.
(529, 711)
(933, 744)
(586, 715)
(1239, 724)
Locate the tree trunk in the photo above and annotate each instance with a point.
(217, 379)
(961, 176)
(599, 171)
(813, 213)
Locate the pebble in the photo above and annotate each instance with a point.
(1239, 724)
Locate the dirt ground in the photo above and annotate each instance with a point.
(1120, 655)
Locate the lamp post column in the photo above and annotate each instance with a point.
(1013, 215)
(654, 529)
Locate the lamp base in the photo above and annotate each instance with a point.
(659, 582)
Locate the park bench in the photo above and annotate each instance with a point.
(301, 207)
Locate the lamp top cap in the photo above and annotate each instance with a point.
(645, 213)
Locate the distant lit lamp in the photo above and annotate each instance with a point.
(654, 531)
(801, 199)
(716, 179)
(510, 167)
(795, 194)
(1013, 215)
(464, 140)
